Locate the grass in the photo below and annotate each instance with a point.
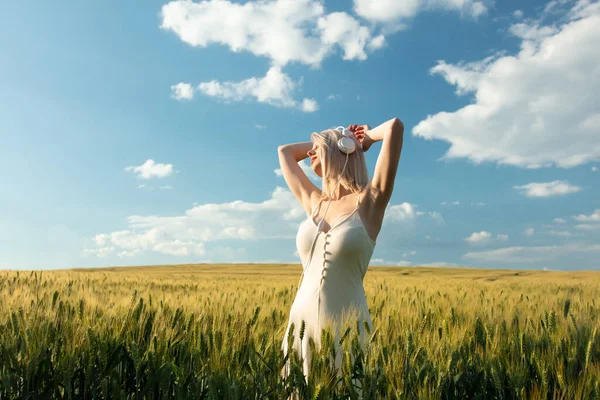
(215, 331)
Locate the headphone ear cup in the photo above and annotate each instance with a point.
(346, 145)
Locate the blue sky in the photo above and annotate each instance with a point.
(147, 134)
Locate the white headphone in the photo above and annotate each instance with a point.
(346, 144)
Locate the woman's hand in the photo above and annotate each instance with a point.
(360, 132)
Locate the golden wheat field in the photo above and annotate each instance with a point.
(215, 332)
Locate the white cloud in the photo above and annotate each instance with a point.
(282, 30)
(275, 88)
(523, 104)
(182, 91)
(587, 227)
(151, 188)
(442, 264)
(276, 217)
(334, 97)
(582, 8)
(150, 169)
(382, 262)
(436, 216)
(179, 248)
(101, 239)
(187, 234)
(454, 203)
(309, 105)
(594, 217)
(401, 212)
(479, 237)
(342, 29)
(529, 232)
(478, 203)
(128, 253)
(99, 252)
(523, 254)
(559, 220)
(397, 13)
(386, 10)
(259, 126)
(407, 212)
(410, 253)
(376, 43)
(484, 237)
(547, 189)
(561, 233)
(532, 32)
(518, 14)
(594, 169)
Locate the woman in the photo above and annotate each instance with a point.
(335, 251)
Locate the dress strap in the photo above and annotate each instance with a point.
(316, 208)
(357, 199)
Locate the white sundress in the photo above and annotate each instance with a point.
(332, 282)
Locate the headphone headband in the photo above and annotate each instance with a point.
(343, 130)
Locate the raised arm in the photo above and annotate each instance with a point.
(391, 133)
(296, 179)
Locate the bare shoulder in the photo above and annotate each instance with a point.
(313, 201)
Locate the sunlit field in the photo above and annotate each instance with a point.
(215, 331)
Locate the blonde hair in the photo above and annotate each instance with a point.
(355, 176)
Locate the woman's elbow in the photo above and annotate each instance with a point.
(398, 125)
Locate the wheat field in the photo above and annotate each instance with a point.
(215, 332)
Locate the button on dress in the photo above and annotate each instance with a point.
(332, 282)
